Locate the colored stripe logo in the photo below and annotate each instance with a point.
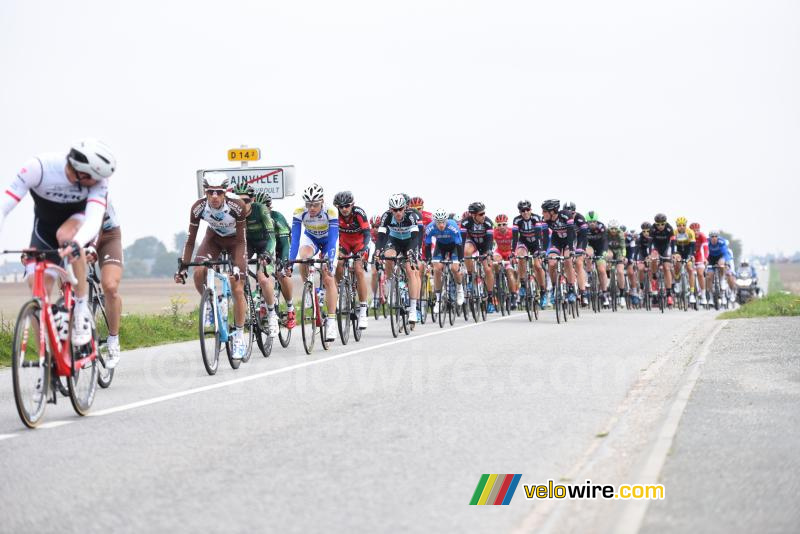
(495, 489)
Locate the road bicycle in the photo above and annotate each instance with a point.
(97, 303)
(446, 296)
(379, 299)
(215, 318)
(530, 287)
(560, 290)
(256, 315)
(313, 312)
(281, 307)
(399, 298)
(42, 350)
(347, 312)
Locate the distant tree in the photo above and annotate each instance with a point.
(136, 268)
(734, 244)
(145, 248)
(179, 241)
(165, 265)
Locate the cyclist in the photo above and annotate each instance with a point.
(719, 254)
(106, 249)
(643, 244)
(597, 245)
(425, 218)
(354, 234)
(504, 239)
(448, 245)
(261, 233)
(282, 248)
(374, 223)
(685, 242)
(315, 230)
(226, 231)
(631, 256)
(662, 245)
(581, 233)
(477, 232)
(700, 256)
(561, 243)
(63, 187)
(530, 229)
(617, 250)
(399, 234)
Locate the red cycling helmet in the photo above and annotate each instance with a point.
(375, 221)
(416, 203)
(501, 219)
(695, 226)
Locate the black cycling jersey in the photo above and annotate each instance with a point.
(530, 231)
(663, 240)
(562, 231)
(597, 238)
(478, 233)
(643, 244)
(405, 230)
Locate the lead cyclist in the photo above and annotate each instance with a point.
(69, 198)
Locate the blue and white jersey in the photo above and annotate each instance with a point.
(450, 235)
(720, 249)
(322, 229)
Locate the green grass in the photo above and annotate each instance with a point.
(773, 305)
(775, 284)
(135, 331)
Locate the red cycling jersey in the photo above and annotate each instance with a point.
(503, 238)
(700, 247)
(351, 231)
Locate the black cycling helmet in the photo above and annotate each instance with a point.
(342, 198)
(623, 228)
(551, 205)
(569, 206)
(524, 205)
(646, 225)
(476, 207)
(661, 218)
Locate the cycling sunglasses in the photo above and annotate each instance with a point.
(215, 192)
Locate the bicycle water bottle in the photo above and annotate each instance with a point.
(321, 294)
(223, 307)
(61, 320)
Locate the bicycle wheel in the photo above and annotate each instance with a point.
(261, 326)
(528, 300)
(284, 332)
(355, 307)
(82, 383)
(404, 303)
(323, 329)
(227, 323)
(250, 324)
(558, 301)
(308, 319)
(422, 303)
(661, 292)
(210, 343)
(483, 299)
(395, 305)
(30, 365)
(443, 306)
(613, 290)
(343, 317)
(104, 375)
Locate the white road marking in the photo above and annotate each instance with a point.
(7, 436)
(632, 518)
(226, 383)
(55, 424)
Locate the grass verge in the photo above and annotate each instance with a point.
(135, 331)
(773, 305)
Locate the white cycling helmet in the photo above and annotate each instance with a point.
(92, 157)
(397, 201)
(313, 193)
(215, 180)
(440, 215)
(613, 223)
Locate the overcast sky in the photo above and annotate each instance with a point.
(628, 108)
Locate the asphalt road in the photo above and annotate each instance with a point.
(383, 435)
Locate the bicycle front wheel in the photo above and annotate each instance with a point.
(343, 317)
(395, 308)
(209, 337)
(308, 325)
(82, 382)
(30, 366)
(104, 375)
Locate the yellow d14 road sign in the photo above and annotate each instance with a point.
(244, 154)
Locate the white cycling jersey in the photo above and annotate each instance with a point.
(55, 198)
